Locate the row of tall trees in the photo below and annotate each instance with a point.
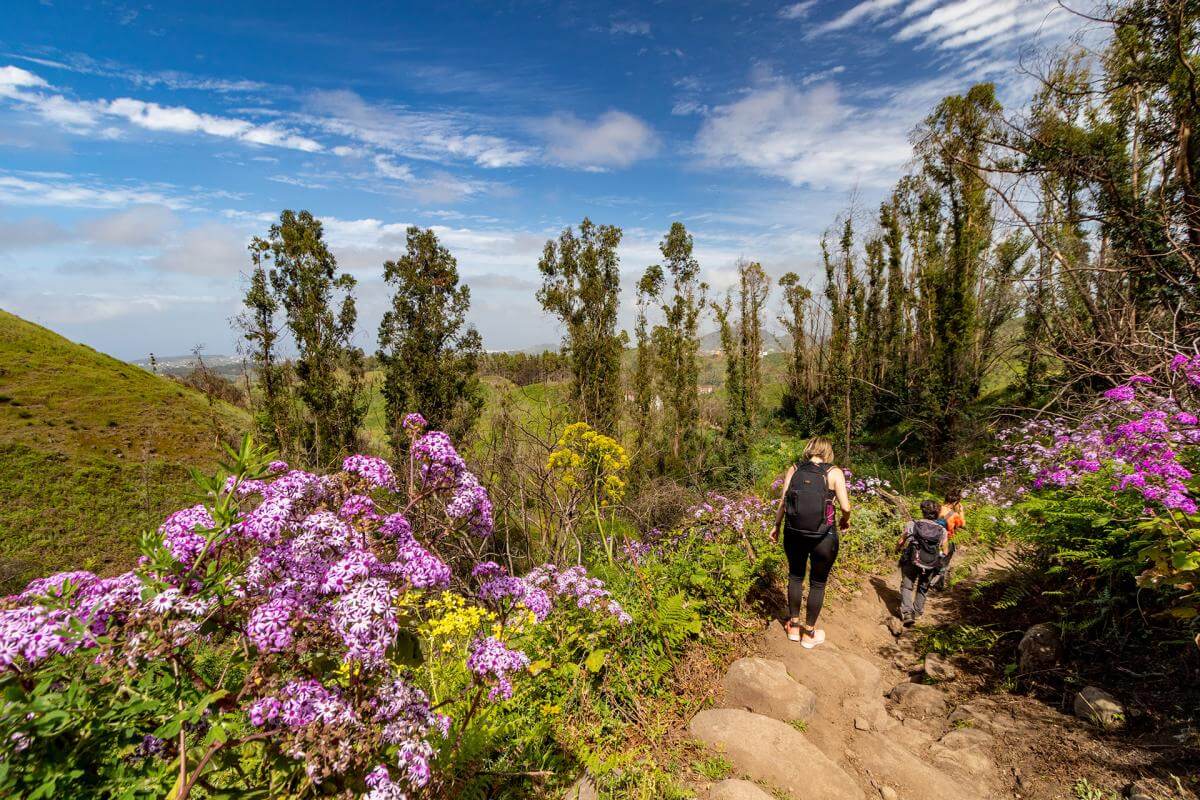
(298, 323)
(1079, 212)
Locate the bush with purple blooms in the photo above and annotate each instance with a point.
(292, 635)
(1110, 495)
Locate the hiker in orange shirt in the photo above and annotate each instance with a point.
(951, 517)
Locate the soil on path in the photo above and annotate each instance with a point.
(859, 717)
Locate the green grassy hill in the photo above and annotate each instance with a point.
(93, 451)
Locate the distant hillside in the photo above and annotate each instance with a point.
(93, 451)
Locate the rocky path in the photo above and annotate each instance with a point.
(863, 716)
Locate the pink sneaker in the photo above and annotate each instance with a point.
(793, 631)
(809, 641)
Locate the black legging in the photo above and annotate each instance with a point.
(800, 548)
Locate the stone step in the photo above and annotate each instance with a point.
(774, 753)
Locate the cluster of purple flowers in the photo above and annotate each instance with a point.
(493, 662)
(742, 515)
(375, 471)
(1140, 435)
(497, 587)
(311, 565)
(575, 584)
(869, 485)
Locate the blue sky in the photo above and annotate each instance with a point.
(143, 144)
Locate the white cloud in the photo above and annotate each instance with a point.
(868, 9)
(807, 137)
(615, 139)
(212, 249)
(420, 135)
(12, 78)
(135, 227)
(686, 108)
(985, 24)
(32, 91)
(68, 192)
(797, 10)
(630, 27)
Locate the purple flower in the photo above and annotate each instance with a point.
(1122, 394)
(493, 662)
(414, 423)
(375, 471)
(439, 464)
(359, 507)
(183, 533)
(269, 627)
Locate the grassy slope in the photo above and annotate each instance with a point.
(93, 452)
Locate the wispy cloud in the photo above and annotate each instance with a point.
(32, 91)
(868, 9)
(66, 191)
(614, 139)
(808, 137)
(84, 64)
(629, 27)
(431, 136)
(797, 10)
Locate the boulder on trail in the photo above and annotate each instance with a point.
(939, 669)
(582, 789)
(895, 627)
(1099, 708)
(764, 687)
(967, 749)
(1041, 648)
(906, 767)
(734, 789)
(770, 751)
(919, 701)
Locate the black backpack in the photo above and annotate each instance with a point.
(808, 504)
(925, 544)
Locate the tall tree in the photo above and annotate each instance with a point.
(429, 354)
(954, 138)
(649, 290)
(581, 279)
(318, 305)
(841, 287)
(754, 289)
(736, 465)
(799, 393)
(272, 411)
(677, 339)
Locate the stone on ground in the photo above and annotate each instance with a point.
(906, 766)
(734, 789)
(895, 626)
(888, 793)
(1099, 708)
(916, 700)
(764, 687)
(967, 749)
(770, 751)
(939, 669)
(1040, 648)
(582, 789)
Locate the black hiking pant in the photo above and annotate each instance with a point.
(801, 549)
(914, 584)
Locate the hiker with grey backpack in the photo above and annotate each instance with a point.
(924, 554)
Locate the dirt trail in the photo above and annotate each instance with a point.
(858, 717)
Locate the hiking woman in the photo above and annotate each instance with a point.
(810, 540)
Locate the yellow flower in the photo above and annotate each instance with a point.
(588, 459)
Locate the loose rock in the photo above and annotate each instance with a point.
(734, 789)
(919, 701)
(861, 724)
(939, 669)
(764, 687)
(1040, 648)
(888, 793)
(582, 789)
(896, 627)
(1099, 708)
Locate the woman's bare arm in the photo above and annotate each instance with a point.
(787, 479)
